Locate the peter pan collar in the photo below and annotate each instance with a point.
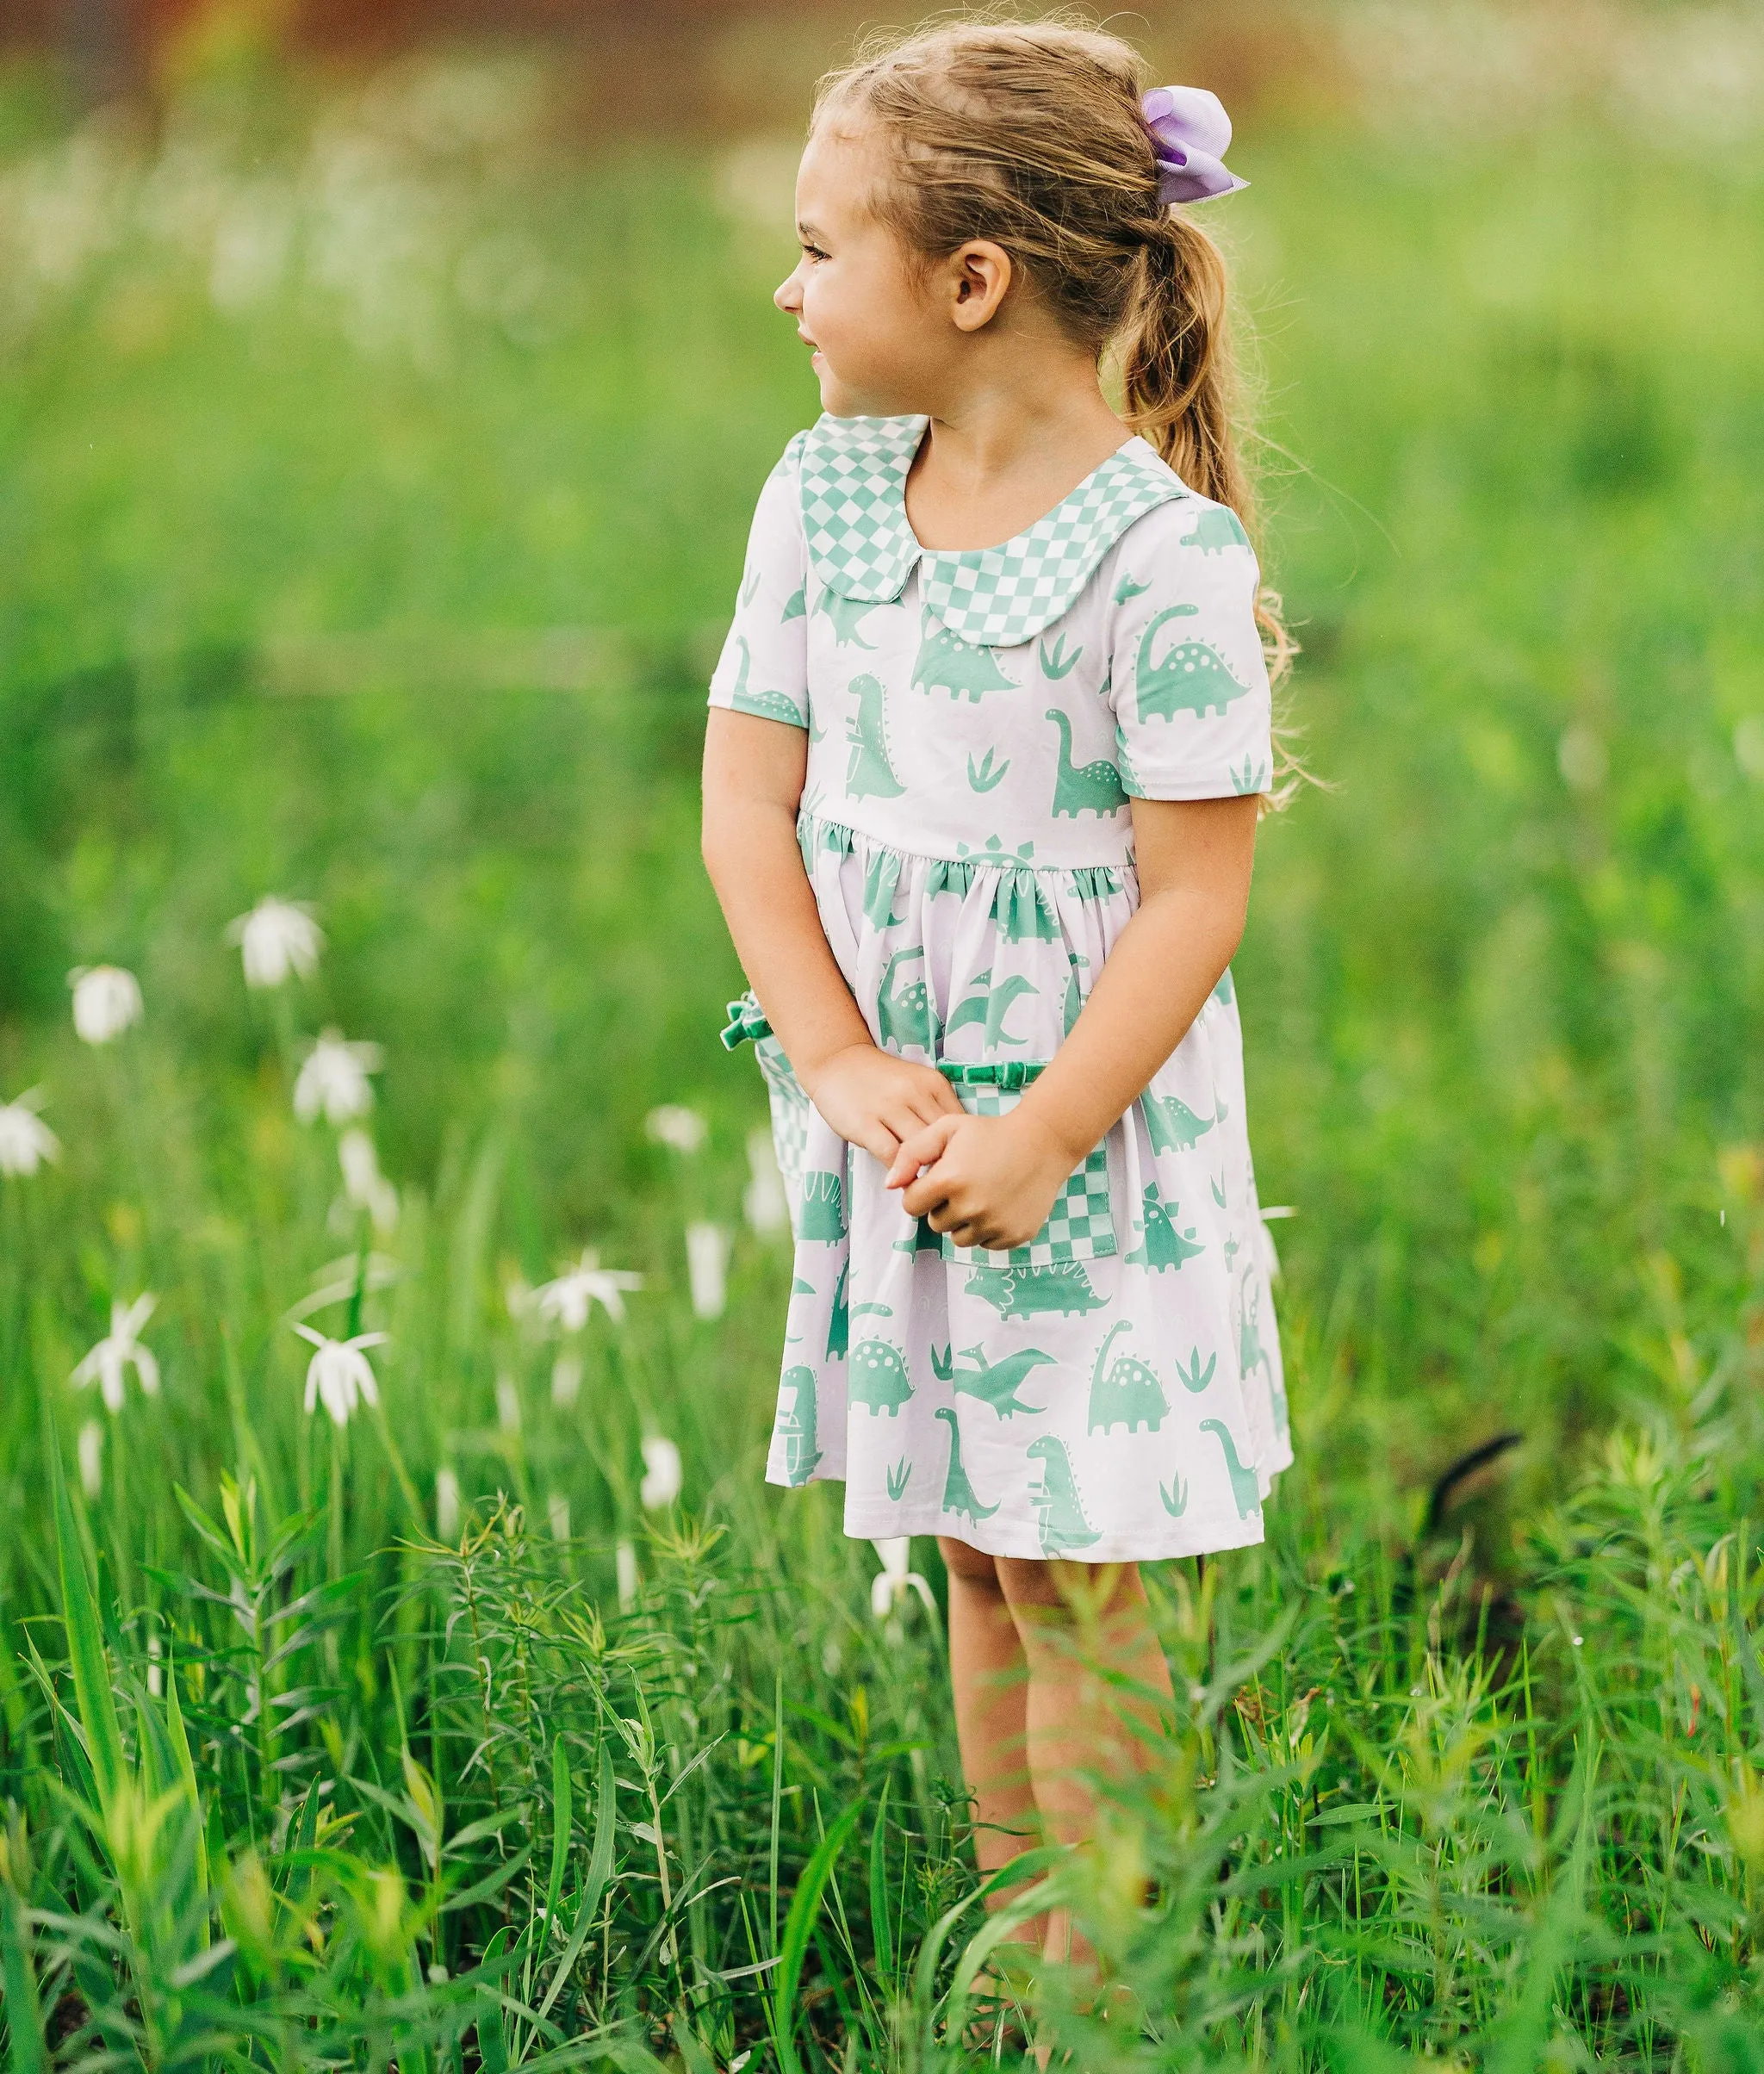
(860, 544)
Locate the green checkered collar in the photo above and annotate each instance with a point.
(854, 492)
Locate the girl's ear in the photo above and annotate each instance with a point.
(979, 278)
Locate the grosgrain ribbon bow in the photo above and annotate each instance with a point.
(1191, 132)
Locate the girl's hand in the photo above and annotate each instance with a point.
(875, 1099)
(989, 1181)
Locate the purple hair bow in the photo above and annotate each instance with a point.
(1191, 132)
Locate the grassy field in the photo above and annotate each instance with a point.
(375, 473)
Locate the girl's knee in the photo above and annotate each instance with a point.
(972, 1566)
(1067, 1588)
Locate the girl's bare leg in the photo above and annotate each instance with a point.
(990, 1675)
(1076, 1621)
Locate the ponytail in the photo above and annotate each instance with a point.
(1179, 380)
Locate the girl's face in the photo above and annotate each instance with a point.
(877, 349)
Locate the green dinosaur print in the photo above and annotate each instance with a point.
(1087, 788)
(959, 1495)
(898, 1478)
(1130, 782)
(796, 605)
(923, 1239)
(1126, 590)
(1129, 1393)
(992, 851)
(1193, 678)
(947, 663)
(1055, 662)
(839, 1325)
(1245, 1491)
(845, 614)
(1224, 992)
(878, 1378)
(749, 586)
(1194, 1378)
(988, 1005)
(881, 878)
(995, 1381)
(1253, 778)
(1026, 1291)
(799, 1288)
(1176, 1499)
(1173, 1125)
(1056, 1498)
(982, 779)
(871, 775)
(1024, 913)
(1161, 1245)
(1217, 1188)
(795, 1426)
(905, 1017)
(823, 1216)
(1074, 993)
(1216, 528)
(763, 705)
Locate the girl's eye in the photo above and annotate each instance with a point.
(814, 252)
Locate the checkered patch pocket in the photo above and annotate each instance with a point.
(1079, 1227)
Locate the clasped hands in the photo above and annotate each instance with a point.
(986, 1181)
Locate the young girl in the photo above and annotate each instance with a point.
(990, 737)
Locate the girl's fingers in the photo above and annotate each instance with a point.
(922, 1147)
(883, 1142)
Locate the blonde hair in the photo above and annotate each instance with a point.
(1029, 134)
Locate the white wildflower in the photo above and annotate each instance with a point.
(106, 1001)
(557, 1516)
(624, 1564)
(894, 1580)
(26, 1141)
(566, 1380)
(675, 1125)
(706, 1260)
(91, 1459)
(507, 1405)
(276, 938)
(446, 1506)
(661, 1473)
(567, 1301)
(332, 1082)
(121, 1349)
(156, 1672)
(1267, 1254)
(338, 1375)
(363, 1182)
(764, 1204)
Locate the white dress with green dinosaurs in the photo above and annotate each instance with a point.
(977, 722)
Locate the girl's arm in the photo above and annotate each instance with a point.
(754, 773)
(991, 1181)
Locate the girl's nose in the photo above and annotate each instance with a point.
(786, 294)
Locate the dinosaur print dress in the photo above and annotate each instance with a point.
(978, 722)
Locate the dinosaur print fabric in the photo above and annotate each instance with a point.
(978, 723)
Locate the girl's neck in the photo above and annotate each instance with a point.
(999, 455)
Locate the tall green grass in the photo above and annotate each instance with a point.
(295, 1778)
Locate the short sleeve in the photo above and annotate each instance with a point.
(1189, 684)
(763, 668)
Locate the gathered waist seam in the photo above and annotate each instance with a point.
(813, 829)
